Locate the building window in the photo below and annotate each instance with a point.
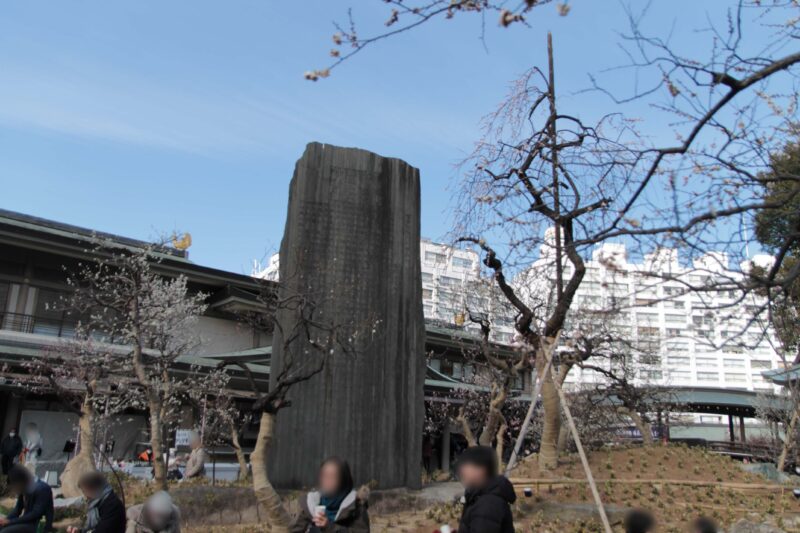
(760, 363)
(653, 374)
(735, 377)
(649, 359)
(707, 376)
(648, 332)
(678, 361)
(49, 313)
(427, 294)
(461, 262)
(434, 257)
(5, 288)
(706, 361)
(733, 363)
(447, 281)
(427, 277)
(680, 375)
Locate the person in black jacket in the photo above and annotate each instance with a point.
(34, 502)
(105, 512)
(639, 521)
(10, 448)
(487, 495)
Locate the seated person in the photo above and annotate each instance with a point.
(156, 515)
(639, 521)
(105, 512)
(196, 463)
(336, 506)
(34, 502)
(703, 524)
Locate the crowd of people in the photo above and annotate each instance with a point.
(335, 506)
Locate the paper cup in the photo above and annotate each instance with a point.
(445, 529)
(319, 510)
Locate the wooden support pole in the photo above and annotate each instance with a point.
(589, 477)
(537, 389)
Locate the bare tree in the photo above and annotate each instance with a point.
(731, 105)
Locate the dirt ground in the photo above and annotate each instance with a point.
(676, 483)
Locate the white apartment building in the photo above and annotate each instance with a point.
(706, 339)
(452, 287)
(698, 339)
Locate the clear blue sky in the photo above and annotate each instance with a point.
(141, 117)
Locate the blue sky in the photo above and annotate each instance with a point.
(142, 117)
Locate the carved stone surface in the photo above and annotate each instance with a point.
(351, 245)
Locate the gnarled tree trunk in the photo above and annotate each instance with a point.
(788, 440)
(83, 462)
(494, 419)
(644, 427)
(156, 440)
(240, 457)
(551, 417)
(277, 515)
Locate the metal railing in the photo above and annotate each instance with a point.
(37, 324)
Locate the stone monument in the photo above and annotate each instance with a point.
(351, 246)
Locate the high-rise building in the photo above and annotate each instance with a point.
(713, 338)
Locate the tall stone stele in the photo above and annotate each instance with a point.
(351, 247)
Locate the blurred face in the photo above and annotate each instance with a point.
(157, 520)
(472, 476)
(89, 493)
(329, 479)
(194, 442)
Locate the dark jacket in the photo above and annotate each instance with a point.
(352, 516)
(11, 446)
(112, 516)
(32, 506)
(488, 510)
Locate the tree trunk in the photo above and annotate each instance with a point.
(156, 441)
(84, 461)
(154, 404)
(551, 415)
(788, 439)
(237, 448)
(644, 427)
(277, 516)
(500, 448)
(468, 435)
(494, 419)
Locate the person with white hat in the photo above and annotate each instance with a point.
(157, 515)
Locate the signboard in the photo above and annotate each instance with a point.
(182, 437)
